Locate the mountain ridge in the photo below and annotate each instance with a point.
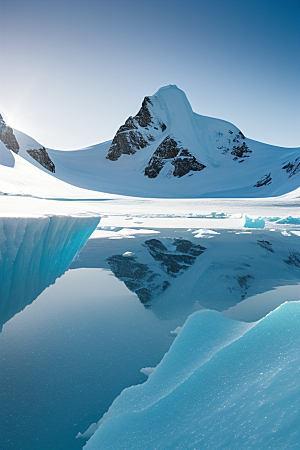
(167, 150)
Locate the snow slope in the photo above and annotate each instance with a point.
(18, 176)
(167, 150)
(223, 384)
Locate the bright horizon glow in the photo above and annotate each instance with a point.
(74, 71)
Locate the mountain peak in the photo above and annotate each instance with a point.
(7, 136)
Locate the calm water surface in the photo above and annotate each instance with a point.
(69, 354)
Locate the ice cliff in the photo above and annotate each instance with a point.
(33, 253)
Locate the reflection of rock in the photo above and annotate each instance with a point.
(147, 282)
(42, 157)
(176, 262)
(137, 277)
(266, 245)
(33, 253)
(7, 136)
(293, 259)
(233, 268)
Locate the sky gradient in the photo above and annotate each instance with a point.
(71, 72)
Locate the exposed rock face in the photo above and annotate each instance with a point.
(233, 144)
(184, 165)
(134, 134)
(264, 181)
(150, 283)
(126, 143)
(240, 151)
(292, 167)
(42, 157)
(7, 136)
(172, 150)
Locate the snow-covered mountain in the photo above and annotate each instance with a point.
(167, 150)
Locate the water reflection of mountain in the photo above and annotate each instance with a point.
(178, 271)
(34, 252)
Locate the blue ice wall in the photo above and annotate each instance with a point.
(33, 253)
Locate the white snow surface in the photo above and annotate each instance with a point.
(206, 138)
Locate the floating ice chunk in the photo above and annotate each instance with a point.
(285, 233)
(88, 433)
(256, 222)
(147, 370)
(176, 331)
(204, 233)
(291, 220)
(128, 254)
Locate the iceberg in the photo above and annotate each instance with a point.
(223, 384)
(34, 252)
(290, 220)
(256, 222)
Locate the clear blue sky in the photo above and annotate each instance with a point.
(73, 71)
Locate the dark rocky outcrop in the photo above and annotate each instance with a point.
(42, 157)
(292, 167)
(264, 181)
(134, 134)
(172, 150)
(144, 117)
(7, 136)
(241, 151)
(176, 262)
(154, 167)
(184, 165)
(234, 144)
(126, 143)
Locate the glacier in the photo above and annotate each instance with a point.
(223, 384)
(34, 252)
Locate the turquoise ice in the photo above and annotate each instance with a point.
(224, 384)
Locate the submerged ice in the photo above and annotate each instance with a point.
(223, 384)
